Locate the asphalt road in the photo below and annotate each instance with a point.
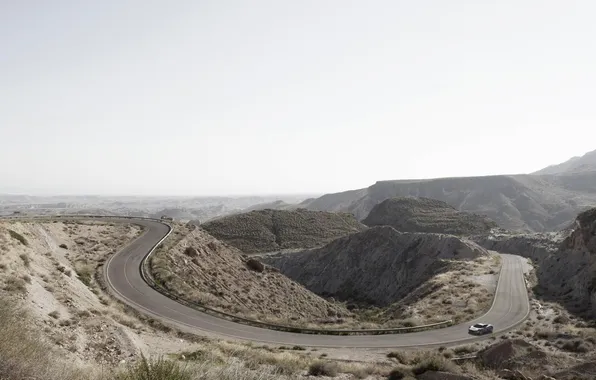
(510, 307)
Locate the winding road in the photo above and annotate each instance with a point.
(510, 307)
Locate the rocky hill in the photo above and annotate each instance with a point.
(585, 163)
(409, 214)
(198, 267)
(378, 266)
(277, 205)
(272, 230)
(529, 203)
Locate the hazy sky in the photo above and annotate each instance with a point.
(236, 97)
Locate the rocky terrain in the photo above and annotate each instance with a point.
(409, 214)
(273, 230)
(198, 267)
(71, 329)
(380, 267)
(525, 203)
(566, 264)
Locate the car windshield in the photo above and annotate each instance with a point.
(479, 325)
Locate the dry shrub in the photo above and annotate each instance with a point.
(399, 356)
(322, 368)
(160, 369)
(255, 265)
(429, 362)
(85, 273)
(15, 284)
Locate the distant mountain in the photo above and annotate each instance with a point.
(409, 214)
(532, 203)
(585, 163)
(272, 230)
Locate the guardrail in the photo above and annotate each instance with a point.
(148, 278)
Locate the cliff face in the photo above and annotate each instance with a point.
(378, 266)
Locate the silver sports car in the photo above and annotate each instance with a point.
(480, 329)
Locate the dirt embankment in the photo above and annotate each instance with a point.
(272, 230)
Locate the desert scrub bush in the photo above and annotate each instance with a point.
(322, 368)
(15, 284)
(398, 374)
(17, 236)
(160, 369)
(26, 259)
(430, 362)
(63, 246)
(399, 356)
(85, 273)
(575, 345)
(255, 265)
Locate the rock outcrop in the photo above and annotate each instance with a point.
(409, 214)
(378, 266)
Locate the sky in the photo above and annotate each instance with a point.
(312, 96)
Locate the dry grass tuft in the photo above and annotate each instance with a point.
(22, 354)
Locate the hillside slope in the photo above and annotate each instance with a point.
(271, 230)
(566, 269)
(379, 266)
(516, 202)
(198, 267)
(409, 214)
(584, 163)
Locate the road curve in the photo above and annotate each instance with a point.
(510, 307)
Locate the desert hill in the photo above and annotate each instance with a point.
(529, 203)
(409, 214)
(271, 230)
(378, 266)
(585, 163)
(277, 205)
(198, 267)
